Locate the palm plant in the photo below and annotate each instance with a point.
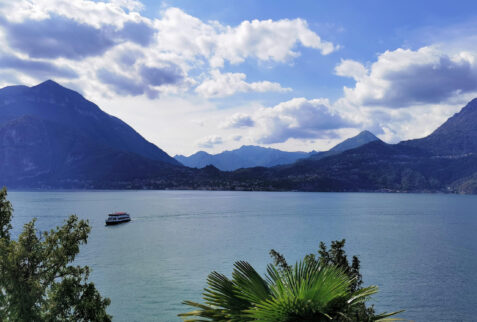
(308, 291)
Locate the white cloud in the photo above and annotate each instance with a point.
(221, 85)
(101, 40)
(298, 118)
(237, 138)
(267, 40)
(238, 120)
(209, 141)
(406, 93)
(394, 125)
(131, 5)
(404, 78)
(351, 68)
(264, 40)
(87, 12)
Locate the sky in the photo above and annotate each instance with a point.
(214, 75)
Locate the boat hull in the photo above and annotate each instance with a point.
(117, 222)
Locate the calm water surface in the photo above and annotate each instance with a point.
(420, 249)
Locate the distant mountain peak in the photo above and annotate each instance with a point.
(365, 132)
(252, 147)
(468, 108)
(50, 85)
(464, 120)
(473, 102)
(246, 156)
(362, 138)
(457, 136)
(49, 82)
(50, 88)
(201, 153)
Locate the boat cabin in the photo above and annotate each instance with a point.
(117, 218)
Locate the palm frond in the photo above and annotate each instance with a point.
(221, 293)
(307, 291)
(249, 285)
(385, 316)
(205, 311)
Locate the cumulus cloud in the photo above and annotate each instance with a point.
(403, 78)
(351, 68)
(106, 38)
(158, 76)
(394, 125)
(237, 138)
(209, 141)
(121, 84)
(406, 93)
(94, 13)
(151, 77)
(127, 57)
(138, 32)
(265, 40)
(36, 68)
(221, 85)
(238, 120)
(57, 37)
(298, 118)
(131, 5)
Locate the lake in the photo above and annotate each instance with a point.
(420, 249)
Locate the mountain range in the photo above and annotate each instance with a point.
(245, 157)
(444, 161)
(52, 137)
(249, 156)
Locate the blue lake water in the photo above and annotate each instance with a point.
(420, 249)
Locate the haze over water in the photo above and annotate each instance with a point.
(420, 249)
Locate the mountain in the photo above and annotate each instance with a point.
(197, 160)
(245, 157)
(445, 161)
(249, 156)
(375, 166)
(456, 137)
(52, 136)
(362, 138)
(52, 102)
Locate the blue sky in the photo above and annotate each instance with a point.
(363, 29)
(214, 75)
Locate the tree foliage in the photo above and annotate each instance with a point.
(315, 289)
(336, 256)
(37, 280)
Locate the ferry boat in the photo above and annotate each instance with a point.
(117, 218)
